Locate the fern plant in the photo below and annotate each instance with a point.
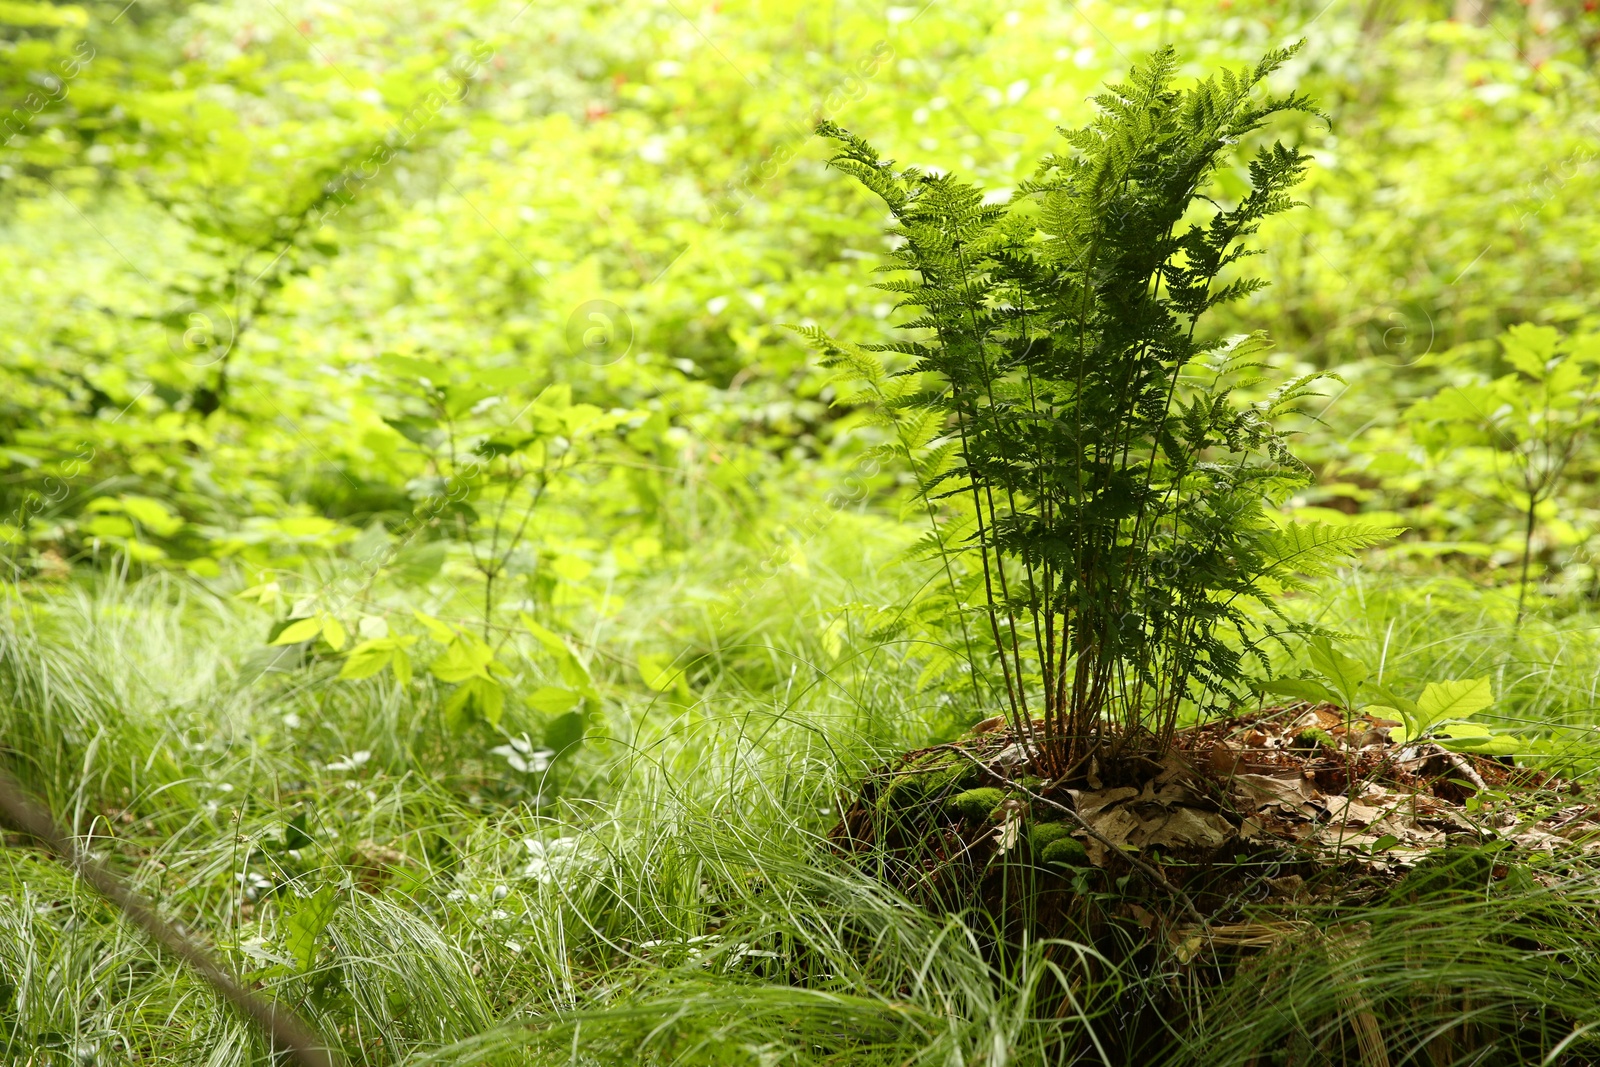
(1115, 484)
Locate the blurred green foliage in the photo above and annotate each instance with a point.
(287, 283)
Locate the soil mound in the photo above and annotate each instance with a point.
(1297, 802)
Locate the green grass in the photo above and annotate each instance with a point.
(1545, 672)
(663, 895)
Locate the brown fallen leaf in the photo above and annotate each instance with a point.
(1185, 827)
(1115, 825)
(1225, 759)
(1170, 794)
(1260, 790)
(1342, 812)
(1089, 801)
(1175, 768)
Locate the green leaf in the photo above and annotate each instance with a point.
(553, 701)
(456, 707)
(1384, 844)
(656, 671)
(1314, 548)
(299, 630)
(333, 632)
(296, 833)
(490, 699)
(1462, 730)
(547, 638)
(108, 526)
(1345, 672)
(305, 923)
(409, 368)
(565, 732)
(1442, 701)
(1530, 348)
(143, 552)
(1404, 708)
(480, 695)
(368, 658)
(494, 449)
(1493, 745)
(573, 672)
(557, 397)
(151, 514)
(464, 658)
(417, 564)
(401, 662)
(1382, 711)
(1299, 689)
(22, 13)
(437, 629)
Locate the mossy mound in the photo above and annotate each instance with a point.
(924, 778)
(1065, 851)
(1275, 842)
(976, 805)
(1041, 835)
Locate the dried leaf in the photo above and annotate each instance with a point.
(1009, 831)
(1187, 827)
(1261, 790)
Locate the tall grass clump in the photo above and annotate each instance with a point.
(1474, 958)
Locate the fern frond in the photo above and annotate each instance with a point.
(1314, 548)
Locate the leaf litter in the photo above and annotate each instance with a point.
(1298, 799)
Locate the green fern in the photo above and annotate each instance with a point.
(1115, 482)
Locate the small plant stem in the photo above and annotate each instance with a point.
(1527, 552)
(950, 577)
(1011, 507)
(488, 602)
(1019, 711)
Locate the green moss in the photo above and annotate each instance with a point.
(927, 777)
(1065, 850)
(975, 804)
(1312, 737)
(1042, 835)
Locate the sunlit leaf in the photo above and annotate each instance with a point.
(333, 632)
(367, 659)
(1441, 701)
(656, 671)
(299, 630)
(553, 701)
(439, 631)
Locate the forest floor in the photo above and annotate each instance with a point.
(668, 892)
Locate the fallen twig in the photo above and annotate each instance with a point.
(283, 1029)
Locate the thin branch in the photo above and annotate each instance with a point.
(282, 1028)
